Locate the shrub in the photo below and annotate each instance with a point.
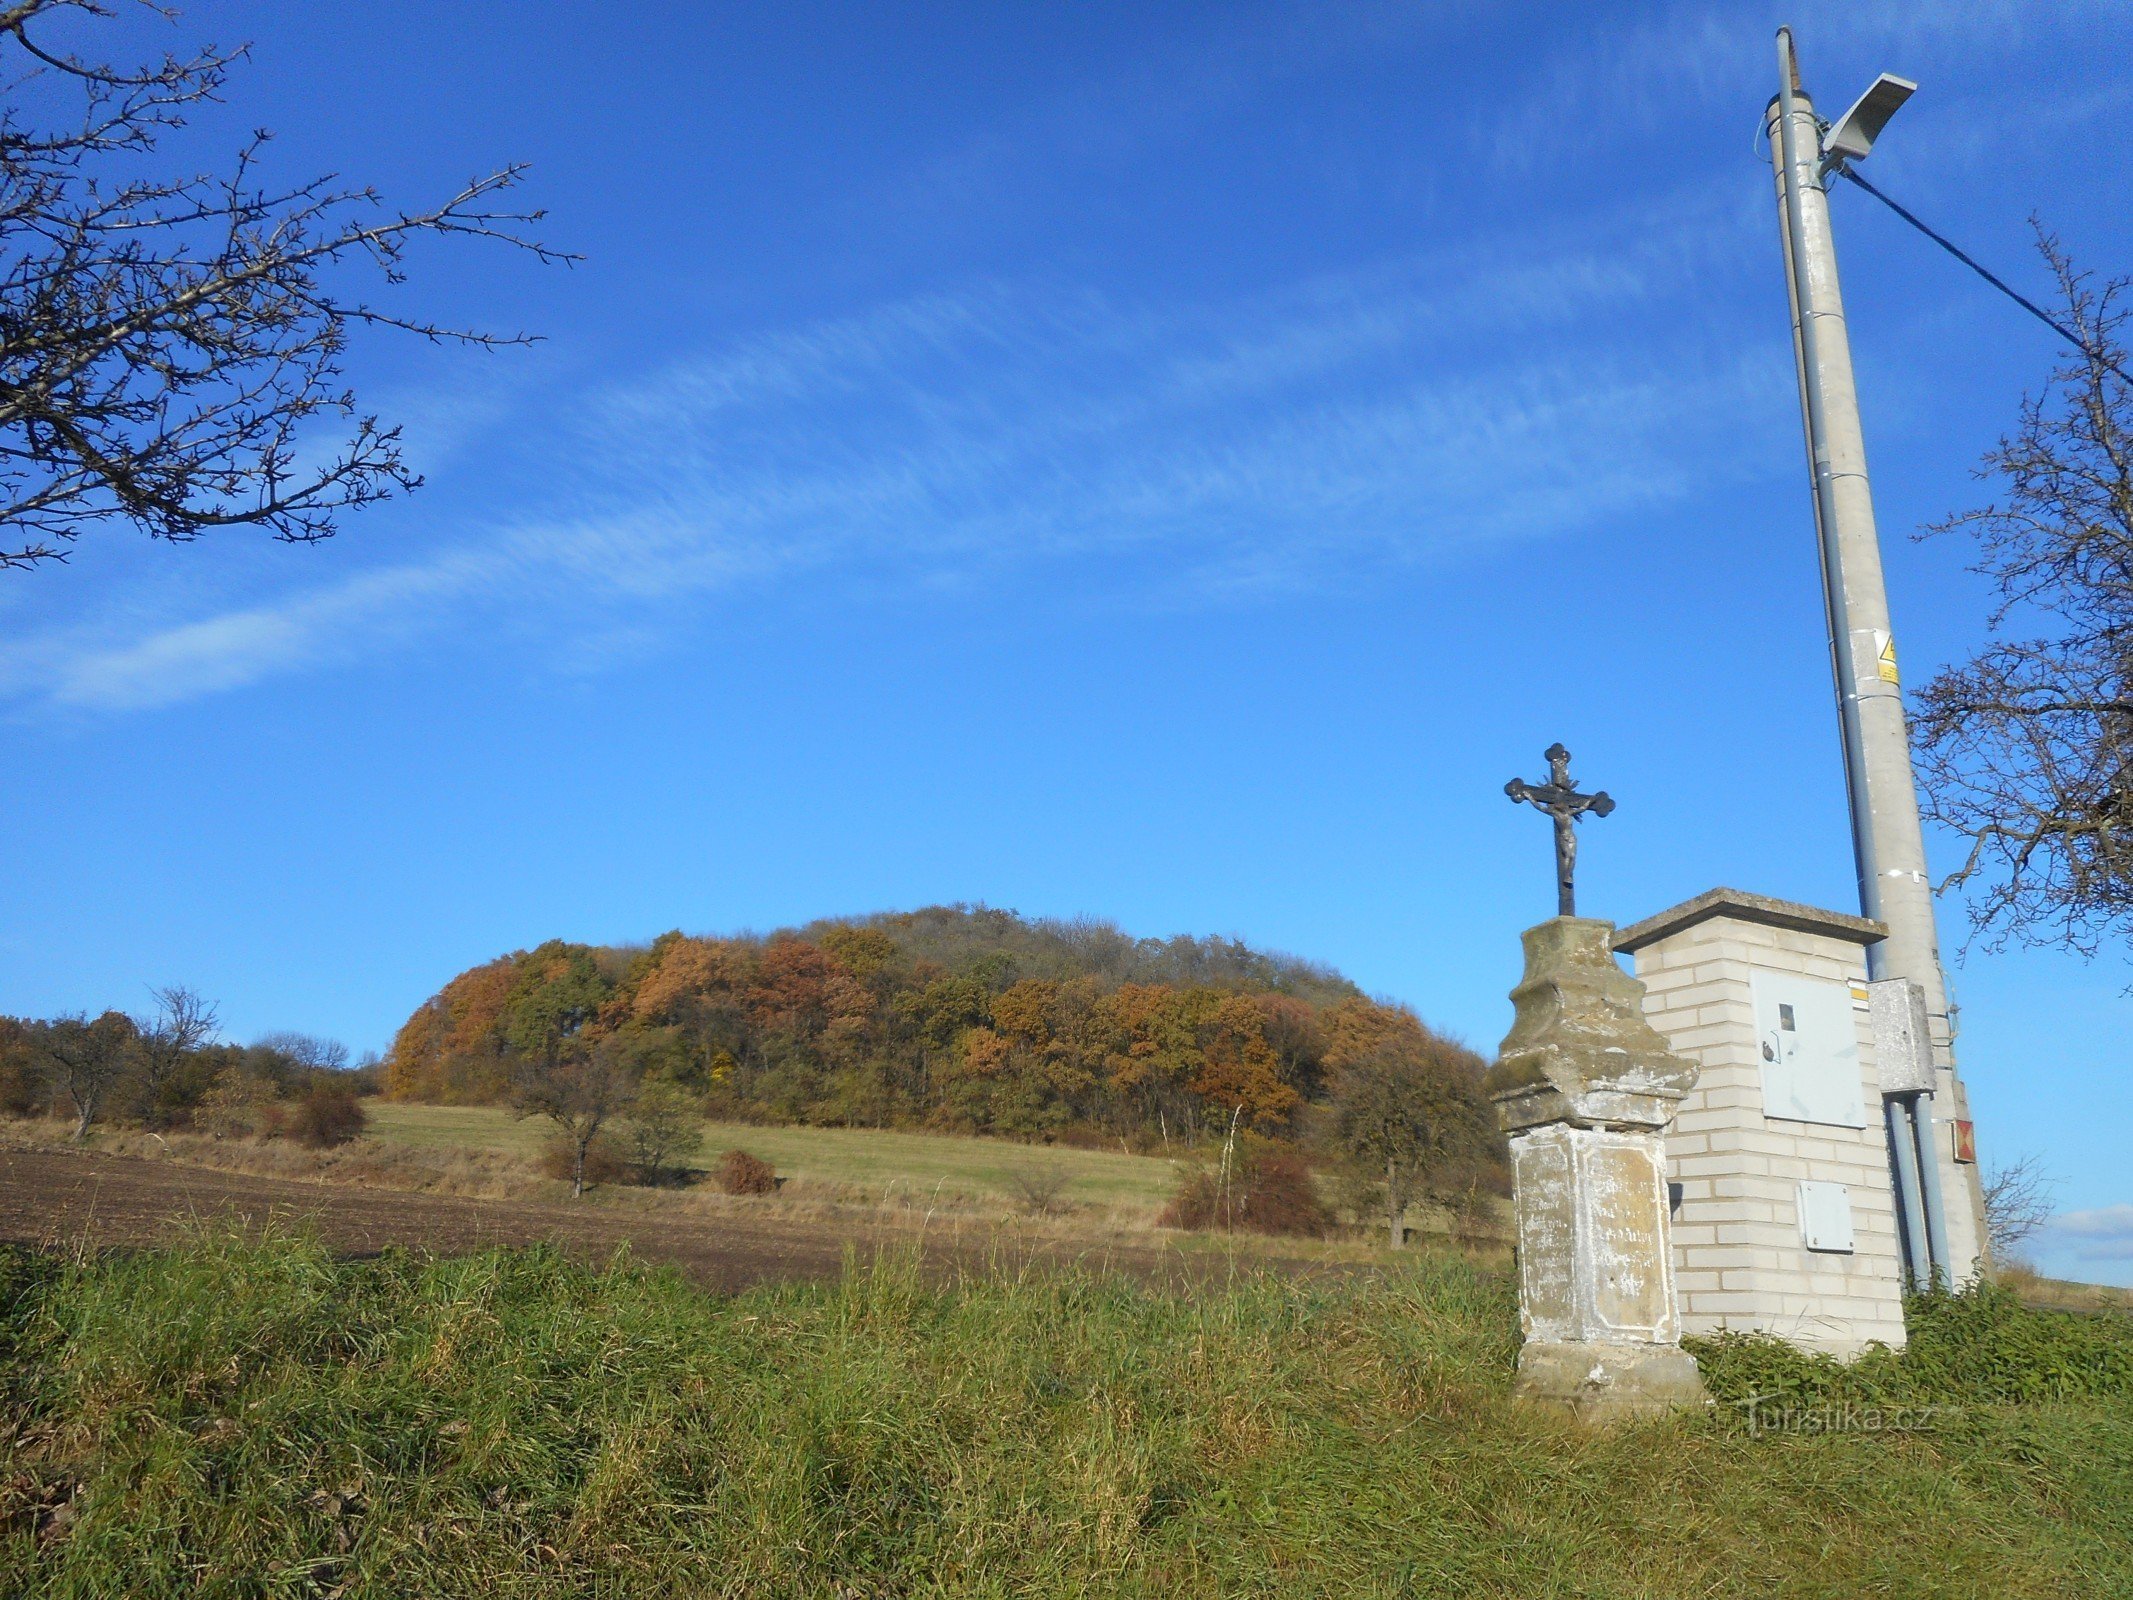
(1979, 1345)
(324, 1116)
(234, 1105)
(604, 1160)
(1040, 1190)
(1268, 1189)
(738, 1172)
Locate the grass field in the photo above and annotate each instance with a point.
(240, 1417)
(875, 1164)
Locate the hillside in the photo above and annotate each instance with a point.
(959, 1018)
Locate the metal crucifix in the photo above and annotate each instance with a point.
(1559, 797)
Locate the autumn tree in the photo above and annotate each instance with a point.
(1239, 1070)
(2026, 749)
(1039, 1078)
(24, 1081)
(1403, 1099)
(1154, 1054)
(866, 953)
(171, 346)
(697, 986)
(1292, 1027)
(578, 1087)
(89, 1059)
(555, 991)
(452, 1049)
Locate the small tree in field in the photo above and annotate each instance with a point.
(2019, 1204)
(88, 1059)
(579, 1088)
(1403, 1099)
(663, 1127)
(182, 1023)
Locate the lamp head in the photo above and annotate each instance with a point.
(1855, 131)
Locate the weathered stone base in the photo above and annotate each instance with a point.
(1597, 1381)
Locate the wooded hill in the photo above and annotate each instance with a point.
(952, 1017)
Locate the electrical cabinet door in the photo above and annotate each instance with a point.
(1809, 1043)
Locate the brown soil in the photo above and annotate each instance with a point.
(90, 1200)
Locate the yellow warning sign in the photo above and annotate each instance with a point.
(1885, 656)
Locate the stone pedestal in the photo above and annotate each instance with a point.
(1586, 1087)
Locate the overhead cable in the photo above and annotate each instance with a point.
(2090, 351)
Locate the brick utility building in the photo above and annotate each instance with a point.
(1785, 1216)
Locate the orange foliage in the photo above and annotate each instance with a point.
(801, 989)
(686, 969)
(1154, 1038)
(985, 1053)
(1239, 1070)
(449, 1050)
(1023, 1011)
(875, 1024)
(1354, 1028)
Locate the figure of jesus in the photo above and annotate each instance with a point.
(1559, 797)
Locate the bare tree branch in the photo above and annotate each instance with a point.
(2019, 1204)
(182, 1023)
(2027, 749)
(171, 346)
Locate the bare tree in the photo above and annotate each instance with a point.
(1038, 1188)
(2018, 1203)
(170, 346)
(89, 1058)
(578, 1087)
(308, 1051)
(2028, 747)
(181, 1024)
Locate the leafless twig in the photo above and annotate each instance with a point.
(171, 344)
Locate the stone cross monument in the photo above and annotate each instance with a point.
(1585, 1087)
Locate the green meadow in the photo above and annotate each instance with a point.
(878, 1164)
(242, 1416)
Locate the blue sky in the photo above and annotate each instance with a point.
(1167, 462)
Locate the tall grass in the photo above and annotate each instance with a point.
(249, 1416)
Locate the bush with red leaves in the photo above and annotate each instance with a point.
(738, 1172)
(324, 1116)
(1269, 1189)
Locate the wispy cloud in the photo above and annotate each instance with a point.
(1648, 82)
(1342, 427)
(2102, 1234)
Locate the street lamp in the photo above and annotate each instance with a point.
(1888, 841)
(1853, 136)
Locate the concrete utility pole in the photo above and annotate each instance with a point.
(1888, 841)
